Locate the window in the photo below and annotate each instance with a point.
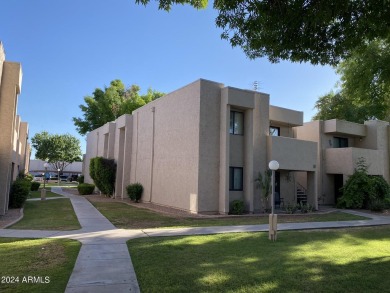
(236, 178)
(340, 142)
(236, 123)
(274, 131)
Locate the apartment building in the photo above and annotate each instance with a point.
(14, 147)
(340, 145)
(202, 146)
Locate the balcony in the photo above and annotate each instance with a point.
(291, 153)
(284, 116)
(341, 127)
(343, 160)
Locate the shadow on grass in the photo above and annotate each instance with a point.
(345, 260)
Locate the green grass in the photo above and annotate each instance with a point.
(62, 184)
(128, 217)
(345, 260)
(52, 260)
(55, 214)
(37, 194)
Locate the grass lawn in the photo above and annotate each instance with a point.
(62, 184)
(37, 194)
(51, 260)
(344, 260)
(128, 217)
(55, 214)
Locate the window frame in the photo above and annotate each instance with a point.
(231, 179)
(232, 122)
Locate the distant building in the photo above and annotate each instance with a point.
(37, 167)
(14, 147)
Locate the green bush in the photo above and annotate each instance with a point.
(35, 185)
(291, 208)
(85, 188)
(237, 207)
(80, 179)
(103, 172)
(20, 190)
(364, 191)
(134, 191)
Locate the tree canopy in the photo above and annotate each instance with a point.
(365, 86)
(108, 104)
(315, 31)
(59, 150)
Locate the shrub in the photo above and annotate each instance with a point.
(134, 191)
(20, 190)
(237, 207)
(85, 188)
(364, 191)
(35, 186)
(291, 208)
(102, 172)
(80, 179)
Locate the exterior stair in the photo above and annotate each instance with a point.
(301, 194)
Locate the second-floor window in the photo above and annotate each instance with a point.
(274, 131)
(340, 142)
(236, 123)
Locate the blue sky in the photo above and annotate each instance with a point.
(70, 47)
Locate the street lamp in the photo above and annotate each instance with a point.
(43, 191)
(273, 218)
(58, 176)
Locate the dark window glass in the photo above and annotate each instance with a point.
(236, 178)
(236, 123)
(274, 131)
(340, 142)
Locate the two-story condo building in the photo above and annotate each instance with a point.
(14, 148)
(202, 146)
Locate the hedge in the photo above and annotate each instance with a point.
(134, 191)
(103, 172)
(20, 190)
(85, 188)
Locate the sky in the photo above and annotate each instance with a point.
(68, 48)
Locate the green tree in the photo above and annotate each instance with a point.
(365, 86)
(315, 31)
(108, 104)
(59, 150)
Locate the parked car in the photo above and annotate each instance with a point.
(64, 178)
(73, 177)
(38, 177)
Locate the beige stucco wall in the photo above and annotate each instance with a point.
(279, 115)
(166, 148)
(207, 200)
(13, 135)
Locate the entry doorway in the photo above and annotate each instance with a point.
(338, 183)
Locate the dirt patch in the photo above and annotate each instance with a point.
(11, 216)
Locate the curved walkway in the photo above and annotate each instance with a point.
(104, 263)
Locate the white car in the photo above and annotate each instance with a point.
(38, 177)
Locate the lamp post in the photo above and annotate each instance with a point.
(58, 176)
(273, 218)
(43, 191)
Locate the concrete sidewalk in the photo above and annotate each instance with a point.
(104, 263)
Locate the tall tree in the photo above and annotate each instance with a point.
(365, 86)
(108, 104)
(59, 150)
(316, 31)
